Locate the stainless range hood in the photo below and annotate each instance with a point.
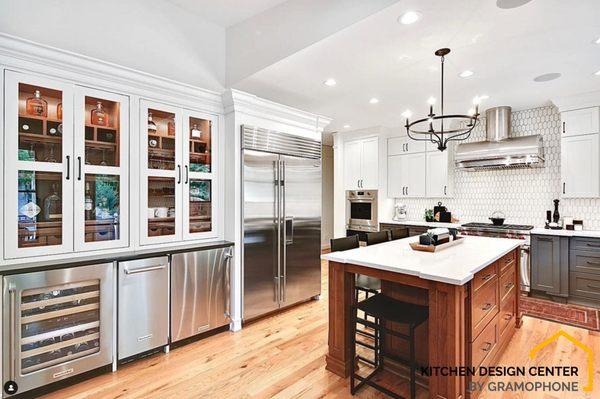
(500, 150)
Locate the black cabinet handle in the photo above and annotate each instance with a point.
(487, 307)
(186, 175)
(78, 168)
(564, 127)
(592, 245)
(444, 190)
(508, 316)
(68, 167)
(509, 285)
(593, 263)
(488, 346)
(178, 174)
(564, 186)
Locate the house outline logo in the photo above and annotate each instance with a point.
(577, 343)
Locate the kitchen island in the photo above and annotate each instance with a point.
(471, 290)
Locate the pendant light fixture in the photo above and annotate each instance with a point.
(439, 128)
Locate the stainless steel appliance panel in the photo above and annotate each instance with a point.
(361, 210)
(301, 229)
(143, 306)
(57, 324)
(261, 233)
(200, 291)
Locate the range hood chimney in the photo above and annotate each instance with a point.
(500, 149)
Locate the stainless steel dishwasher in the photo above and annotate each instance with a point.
(143, 314)
(200, 291)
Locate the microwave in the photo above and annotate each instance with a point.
(361, 210)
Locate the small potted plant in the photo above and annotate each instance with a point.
(426, 239)
(429, 215)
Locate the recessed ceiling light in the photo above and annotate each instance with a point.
(330, 82)
(508, 4)
(466, 74)
(597, 73)
(347, 126)
(409, 17)
(597, 41)
(373, 100)
(547, 77)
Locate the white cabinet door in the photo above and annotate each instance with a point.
(405, 145)
(101, 170)
(437, 176)
(352, 164)
(161, 173)
(395, 183)
(200, 166)
(413, 171)
(38, 191)
(579, 166)
(370, 164)
(580, 121)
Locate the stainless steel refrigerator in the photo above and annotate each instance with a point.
(282, 220)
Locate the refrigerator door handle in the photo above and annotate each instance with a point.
(11, 330)
(289, 227)
(227, 284)
(278, 209)
(285, 240)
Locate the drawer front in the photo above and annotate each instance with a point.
(416, 230)
(485, 343)
(585, 244)
(507, 284)
(485, 275)
(584, 262)
(507, 262)
(585, 285)
(484, 306)
(507, 314)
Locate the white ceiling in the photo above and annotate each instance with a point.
(378, 57)
(226, 12)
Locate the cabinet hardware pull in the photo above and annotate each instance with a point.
(594, 287)
(593, 263)
(68, 167)
(406, 190)
(508, 316)
(78, 168)
(592, 245)
(509, 285)
(487, 277)
(12, 293)
(487, 306)
(226, 282)
(488, 346)
(144, 269)
(444, 190)
(564, 186)
(186, 175)
(564, 126)
(178, 174)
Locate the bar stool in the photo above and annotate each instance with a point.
(378, 237)
(383, 308)
(398, 234)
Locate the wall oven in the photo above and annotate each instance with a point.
(361, 210)
(56, 324)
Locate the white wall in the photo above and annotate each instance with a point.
(327, 196)
(152, 36)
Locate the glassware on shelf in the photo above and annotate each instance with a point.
(151, 125)
(171, 126)
(59, 111)
(99, 116)
(103, 161)
(89, 203)
(196, 132)
(36, 105)
(50, 157)
(53, 205)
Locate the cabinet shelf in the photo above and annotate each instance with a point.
(39, 118)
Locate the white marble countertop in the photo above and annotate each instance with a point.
(453, 265)
(567, 233)
(421, 223)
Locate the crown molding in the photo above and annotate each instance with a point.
(27, 55)
(577, 101)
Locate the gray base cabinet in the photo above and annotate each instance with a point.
(550, 265)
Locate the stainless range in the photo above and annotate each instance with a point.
(516, 231)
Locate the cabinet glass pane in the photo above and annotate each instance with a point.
(200, 148)
(161, 140)
(102, 132)
(200, 206)
(40, 124)
(39, 208)
(59, 324)
(161, 206)
(101, 204)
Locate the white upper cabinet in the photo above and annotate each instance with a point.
(405, 145)
(579, 166)
(439, 178)
(361, 164)
(580, 121)
(406, 175)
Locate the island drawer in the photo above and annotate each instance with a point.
(484, 306)
(584, 262)
(507, 262)
(507, 283)
(585, 244)
(483, 345)
(585, 285)
(507, 314)
(485, 275)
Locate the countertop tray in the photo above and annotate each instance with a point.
(435, 248)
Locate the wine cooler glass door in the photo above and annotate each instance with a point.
(59, 324)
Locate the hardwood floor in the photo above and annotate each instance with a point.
(283, 356)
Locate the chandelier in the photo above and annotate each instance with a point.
(441, 129)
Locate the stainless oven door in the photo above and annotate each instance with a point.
(361, 213)
(57, 324)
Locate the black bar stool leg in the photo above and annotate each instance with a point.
(413, 383)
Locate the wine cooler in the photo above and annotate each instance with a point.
(57, 324)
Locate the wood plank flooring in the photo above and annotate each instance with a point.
(283, 356)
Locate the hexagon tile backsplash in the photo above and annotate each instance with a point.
(523, 195)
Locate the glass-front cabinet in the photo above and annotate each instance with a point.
(177, 174)
(66, 174)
